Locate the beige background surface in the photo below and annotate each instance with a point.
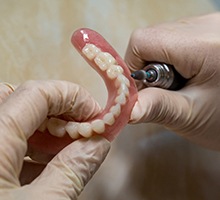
(35, 35)
(145, 162)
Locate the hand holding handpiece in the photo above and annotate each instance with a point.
(192, 46)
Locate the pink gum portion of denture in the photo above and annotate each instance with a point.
(45, 145)
(79, 39)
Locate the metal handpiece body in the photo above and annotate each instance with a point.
(160, 75)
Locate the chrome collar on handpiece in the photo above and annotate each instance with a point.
(160, 75)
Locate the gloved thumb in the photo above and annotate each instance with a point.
(69, 171)
(169, 108)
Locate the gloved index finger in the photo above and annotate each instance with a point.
(133, 57)
(170, 43)
(24, 111)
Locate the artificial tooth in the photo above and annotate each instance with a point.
(56, 127)
(114, 70)
(98, 126)
(72, 129)
(104, 60)
(85, 129)
(116, 110)
(121, 99)
(123, 89)
(109, 119)
(122, 79)
(43, 126)
(90, 51)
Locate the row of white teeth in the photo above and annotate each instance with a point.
(107, 63)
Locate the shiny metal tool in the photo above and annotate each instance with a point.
(160, 75)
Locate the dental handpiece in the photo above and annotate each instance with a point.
(160, 75)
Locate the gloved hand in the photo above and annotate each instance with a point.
(193, 47)
(22, 112)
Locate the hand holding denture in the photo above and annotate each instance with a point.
(193, 47)
(22, 112)
(59, 120)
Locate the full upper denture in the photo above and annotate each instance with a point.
(122, 95)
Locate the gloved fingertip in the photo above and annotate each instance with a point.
(135, 114)
(101, 141)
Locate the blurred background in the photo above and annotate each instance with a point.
(146, 161)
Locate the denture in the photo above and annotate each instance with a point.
(122, 95)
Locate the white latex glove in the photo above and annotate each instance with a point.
(22, 112)
(193, 47)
